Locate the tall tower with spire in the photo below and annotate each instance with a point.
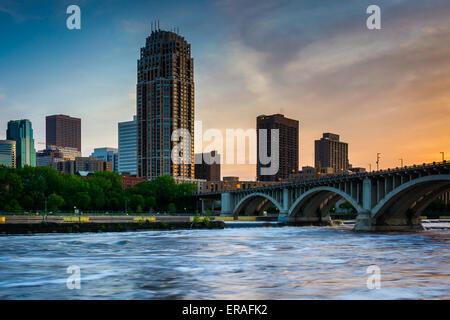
(165, 103)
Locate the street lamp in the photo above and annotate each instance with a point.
(401, 162)
(443, 156)
(378, 161)
(370, 167)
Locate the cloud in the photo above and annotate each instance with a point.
(383, 91)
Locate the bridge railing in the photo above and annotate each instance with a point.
(333, 177)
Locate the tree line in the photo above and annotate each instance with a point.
(31, 189)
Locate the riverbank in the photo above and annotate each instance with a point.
(78, 224)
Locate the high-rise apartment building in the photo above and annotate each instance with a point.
(63, 131)
(288, 130)
(206, 171)
(21, 131)
(8, 153)
(127, 147)
(331, 153)
(165, 104)
(107, 155)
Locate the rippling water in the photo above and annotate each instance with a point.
(235, 263)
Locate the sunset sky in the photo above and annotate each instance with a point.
(384, 91)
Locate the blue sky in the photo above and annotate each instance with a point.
(314, 61)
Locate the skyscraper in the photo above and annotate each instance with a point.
(8, 153)
(288, 145)
(21, 132)
(331, 153)
(107, 155)
(127, 147)
(63, 131)
(165, 103)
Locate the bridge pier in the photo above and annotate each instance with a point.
(227, 209)
(365, 222)
(283, 216)
(207, 204)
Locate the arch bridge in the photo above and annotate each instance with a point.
(387, 200)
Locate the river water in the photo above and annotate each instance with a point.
(234, 263)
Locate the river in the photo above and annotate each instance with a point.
(234, 263)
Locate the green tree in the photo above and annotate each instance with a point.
(82, 200)
(55, 202)
(13, 207)
(346, 206)
(137, 202)
(172, 208)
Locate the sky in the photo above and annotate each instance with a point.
(383, 91)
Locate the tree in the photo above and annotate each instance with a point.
(13, 207)
(172, 208)
(55, 202)
(346, 206)
(137, 202)
(82, 200)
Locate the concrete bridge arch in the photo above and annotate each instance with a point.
(255, 204)
(403, 206)
(314, 205)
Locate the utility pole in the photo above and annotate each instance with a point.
(378, 161)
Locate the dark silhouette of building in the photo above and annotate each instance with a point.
(288, 145)
(165, 103)
(203, 170)
(331, 153)
(63, 131)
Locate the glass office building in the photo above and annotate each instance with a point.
(21, 132)
(8, 153)
(127, 147)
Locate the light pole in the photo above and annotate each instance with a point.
(443, 156)
(126, 206)
(401, 162)
(370, 167)
(378, 161)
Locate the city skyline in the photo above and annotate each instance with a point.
(392, 93)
